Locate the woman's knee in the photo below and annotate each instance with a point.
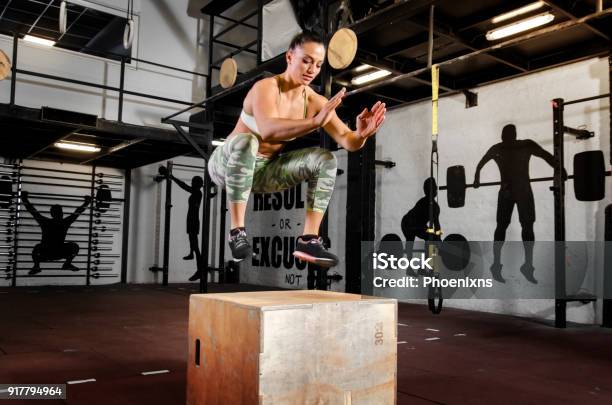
(244, 142)
(321, 184)
(325, 159)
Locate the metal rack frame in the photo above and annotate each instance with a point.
(561, 297)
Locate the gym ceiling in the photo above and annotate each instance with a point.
(392, 35)
(396, 39)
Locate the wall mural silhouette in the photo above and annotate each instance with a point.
(414, 223)
(193, 219)
(53, 245)
(512, 157)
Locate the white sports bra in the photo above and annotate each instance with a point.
(251, 123)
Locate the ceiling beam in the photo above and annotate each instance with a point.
(561, 9)
(557, 59)
(8, 3)
(548, 30)
(388, 97)
(399, 11)
(40, 16)
(216, 7)
(61, 138)
(587, 49)
(403, 45)
(486, 76)
(72, 24)
(113, 149)
(475, 20)
(391, 65)
(444, 30)
(400, 99)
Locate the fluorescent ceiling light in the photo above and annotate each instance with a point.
(216, 142)
(522, 10)
(370, 77)
(80, 147)
(520, 26)
(361, 68)
(38, 40)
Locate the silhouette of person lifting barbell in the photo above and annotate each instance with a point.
(53, 245)
(512, 158)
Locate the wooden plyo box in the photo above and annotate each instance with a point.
(292, 347)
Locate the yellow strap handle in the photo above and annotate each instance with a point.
(433, 231)
(435, 85)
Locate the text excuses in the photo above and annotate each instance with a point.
(275, 252)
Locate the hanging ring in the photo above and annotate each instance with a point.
(63, 18)
(128, 34)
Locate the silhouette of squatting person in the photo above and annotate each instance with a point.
(512, 158)
(414, 223)
(193, 218)
(53, 245)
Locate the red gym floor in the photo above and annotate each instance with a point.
(115, 333)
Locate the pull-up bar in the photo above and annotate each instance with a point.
(582, 100)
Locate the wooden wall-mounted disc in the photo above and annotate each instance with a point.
(342, 48)
(5, 65)
(229, 71)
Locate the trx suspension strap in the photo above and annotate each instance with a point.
(433, 234)
(435, 292)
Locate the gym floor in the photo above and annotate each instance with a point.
(114, 334)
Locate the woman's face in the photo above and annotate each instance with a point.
(305, 61)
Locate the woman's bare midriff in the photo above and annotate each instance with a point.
(269, 149)
(266, 149)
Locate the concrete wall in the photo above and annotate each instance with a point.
(465, 136)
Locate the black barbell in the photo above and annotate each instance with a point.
(93, 241)
(589, 179)
(65, 206)
(14, 176)
(83, 253)
(93, 262)
(94, 275)
(44, 169)
(69, 234)
(95, 228)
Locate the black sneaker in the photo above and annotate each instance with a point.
(240, 246)
(313, 251)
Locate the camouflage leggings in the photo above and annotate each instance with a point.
(237, 167)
